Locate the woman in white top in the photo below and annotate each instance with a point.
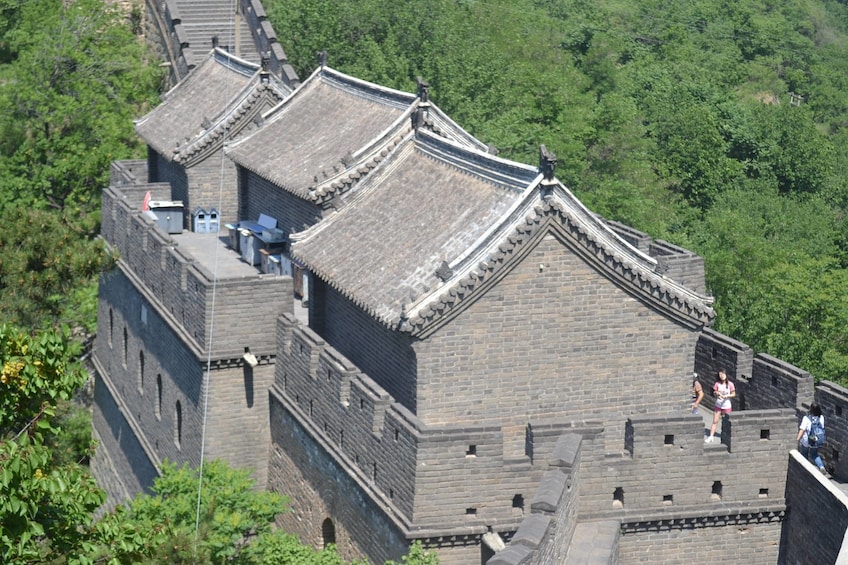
(807, 450)
(723, 390)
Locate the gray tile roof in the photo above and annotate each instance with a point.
(328, 119)
(332, 132)
(425, 205)
(203, 107)
(435, 221)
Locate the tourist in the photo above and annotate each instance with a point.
(697, 393)
(723, 390)
(812, 425)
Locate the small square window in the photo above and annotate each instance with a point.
(470, 511)
(669, 439)
(471, 451)
(764, 434)
(763, 493)
(668, 499)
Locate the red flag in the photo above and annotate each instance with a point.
(145, 206)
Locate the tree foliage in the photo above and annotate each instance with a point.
(47, 261)
(235, 525)
(76, 76)
(47, 505)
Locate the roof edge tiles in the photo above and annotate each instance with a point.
(245, 76)
(544, 206)
(242, 110)
(363, 159)
(537, 215)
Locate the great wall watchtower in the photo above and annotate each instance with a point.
(454, 350)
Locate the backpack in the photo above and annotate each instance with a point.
(816, 435)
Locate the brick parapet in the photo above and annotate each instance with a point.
(657, 475)
(544, 535)
(678, 264)
(182, 288)
(128, 172)
(714, 352)
(436, 471)
(777, 384)
(833, 400)
(817, 521)
(266, 40)
(154, 392)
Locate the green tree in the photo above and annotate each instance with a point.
(78, 78)
(47, 257)
(235, 525)
(46, 507)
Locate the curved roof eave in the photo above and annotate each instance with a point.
(165, 144)
(362, 161)
(489, 258)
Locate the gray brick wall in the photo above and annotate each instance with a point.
(153, 368)
(384, 355)
(259, 196)
(681, 264)
(325, 491)
(162, 170)
(183, 288)
(434, 477)
(815, 526)
(749, 543)
(658, 475)
(545, 534)
(833, 400)
(561, 343)
(213, 185)
(777, 384)
(714, 352)
(120, 463)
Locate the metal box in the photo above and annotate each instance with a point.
(169, 215)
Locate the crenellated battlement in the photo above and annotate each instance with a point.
(178, 273)
(395, 457)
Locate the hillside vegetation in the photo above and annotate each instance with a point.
(718, 125)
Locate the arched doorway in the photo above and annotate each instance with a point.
(328, 532)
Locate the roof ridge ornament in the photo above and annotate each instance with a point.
(424, 91)
(264, 74)
(322, 59)
(547, 167)
(444, 272)
(547, 163)
(419, 115)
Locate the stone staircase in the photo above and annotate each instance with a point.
(203, 19)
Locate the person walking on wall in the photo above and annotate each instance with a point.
(697, 393)
(811, 435)
(724, 390)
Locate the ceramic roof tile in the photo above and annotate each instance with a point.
(193, 105)
(426, 205)
(330, 117)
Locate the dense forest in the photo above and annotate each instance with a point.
(717, 125)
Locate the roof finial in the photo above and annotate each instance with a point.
(214, 42)
(417, 118)
(322, 59)
(264, 75)
(423, 91)
(547, 163)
